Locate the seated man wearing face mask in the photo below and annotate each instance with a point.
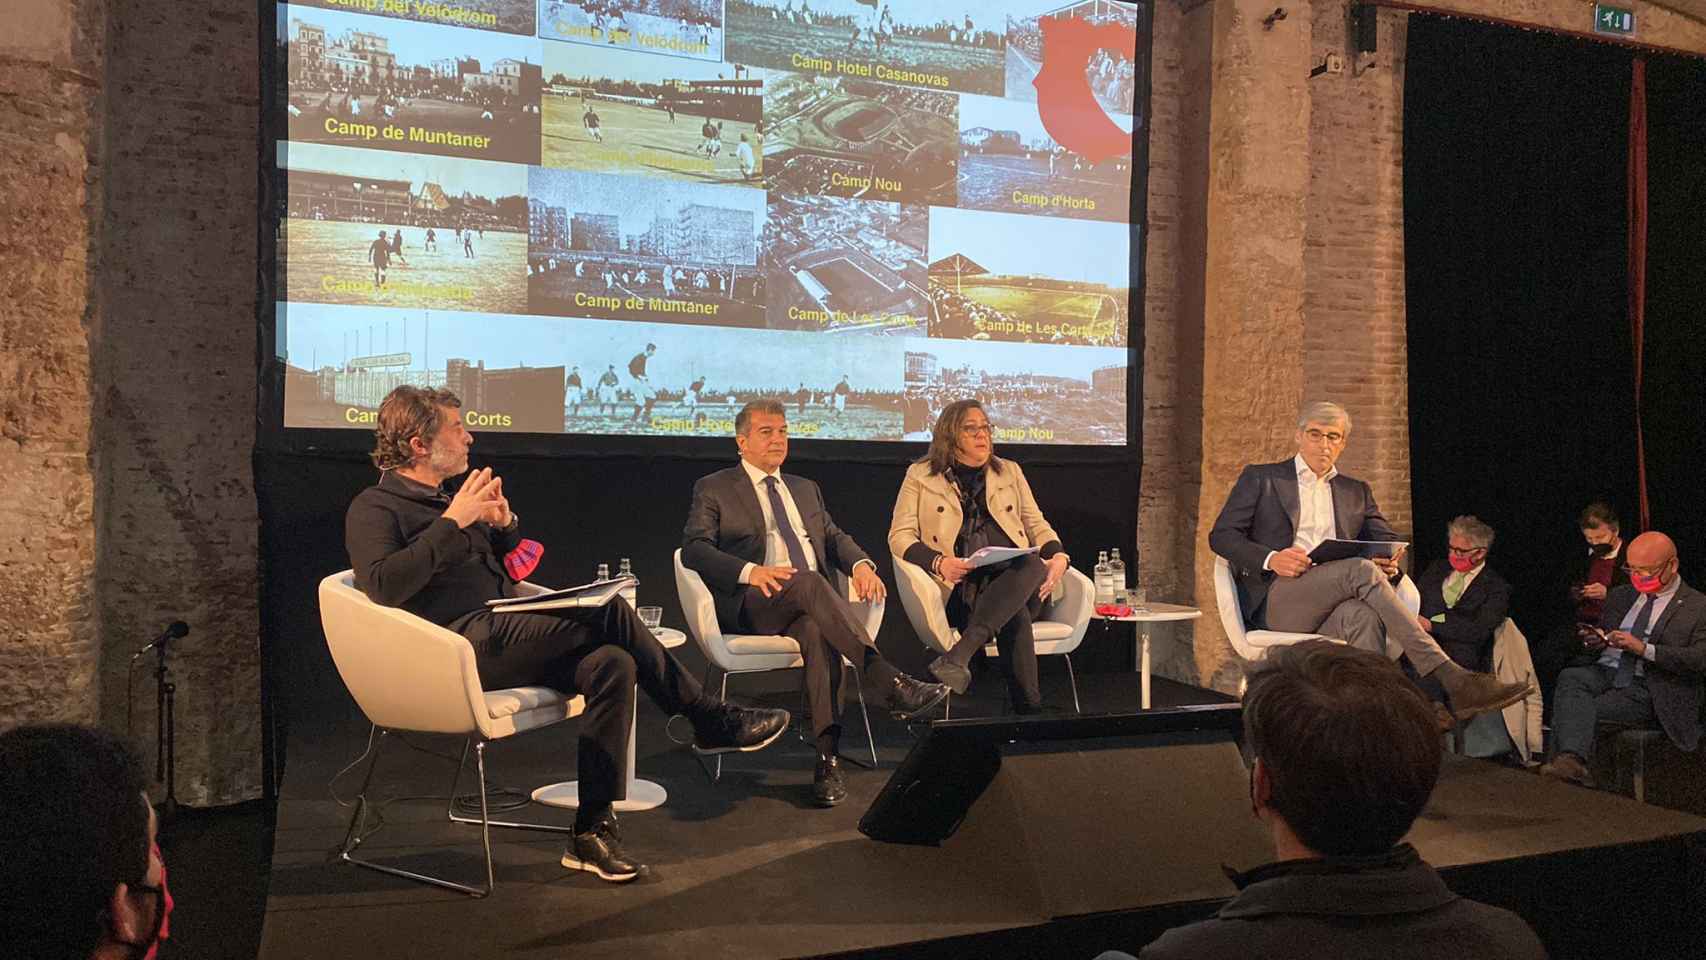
(1649, 660)
(78, 859)
(1463, 599)
(1590, 574)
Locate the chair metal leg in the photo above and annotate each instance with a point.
(713, 773)
(1641, 770)
(358, 822)
(358, 817)
(480, 761)
(870, 739)
(1073, 677)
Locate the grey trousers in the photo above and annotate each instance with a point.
(1351, 600)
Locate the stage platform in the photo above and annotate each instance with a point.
(747, 868)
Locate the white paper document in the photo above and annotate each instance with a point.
(594, 594)
(989, 555)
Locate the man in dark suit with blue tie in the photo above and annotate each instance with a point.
(1278, 512)
(764, 543)
(1649, 662)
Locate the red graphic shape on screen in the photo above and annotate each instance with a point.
(1069, 109)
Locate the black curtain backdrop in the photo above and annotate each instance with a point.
(1516, 243)
(1673, 404)
(1515, 237)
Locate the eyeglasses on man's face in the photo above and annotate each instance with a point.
(977, 429)
(1331, 437)
(1655, 570)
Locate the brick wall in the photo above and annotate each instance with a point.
(1353, 236)
(1173, 301)
(176, 377)
(51, 85)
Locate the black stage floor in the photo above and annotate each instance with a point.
(746, 868)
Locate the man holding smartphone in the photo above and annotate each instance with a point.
(1649, 663)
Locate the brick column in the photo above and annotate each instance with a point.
(51, 88)
(1355, 351)
(1253, 332)
(175, 375)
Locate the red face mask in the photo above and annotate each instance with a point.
(1461, 563)
(162, 915)
(1645, 583)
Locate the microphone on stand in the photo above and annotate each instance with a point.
(177, 629)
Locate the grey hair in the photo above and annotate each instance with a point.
(1323, 411)
(1473, 529)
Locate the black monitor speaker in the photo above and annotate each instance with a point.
(1364, 27)
(1083, 814)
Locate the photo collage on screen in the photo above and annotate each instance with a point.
(634, 216)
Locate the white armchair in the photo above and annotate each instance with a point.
(408, 674)
(1059, 630)
(731, 653)
(1253, 645)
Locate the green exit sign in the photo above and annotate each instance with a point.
(1613, 20)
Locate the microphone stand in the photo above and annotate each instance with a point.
(165, 755)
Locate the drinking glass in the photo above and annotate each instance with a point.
(651, 617)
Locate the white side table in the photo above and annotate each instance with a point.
(642, 794)
(1154, 613)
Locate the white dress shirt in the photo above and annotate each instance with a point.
(1315, 520)
(775, 548)
(1659, 600)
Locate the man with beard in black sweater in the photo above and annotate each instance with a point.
(440, 556)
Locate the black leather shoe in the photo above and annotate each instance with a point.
(600, 851)
(829, 787)
(909, 699)
(726, 728)
(957, 678)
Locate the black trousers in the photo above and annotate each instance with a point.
(815, 615)
(598, 652)
(1002, 606)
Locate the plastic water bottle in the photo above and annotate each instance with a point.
(1104, 579)
(603, 572)
(631, 592)
(1116, 573)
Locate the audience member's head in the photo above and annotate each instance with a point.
(78, 864)
(1346, 749)
(1469, 539)
(1600, 527)
(1652, 562)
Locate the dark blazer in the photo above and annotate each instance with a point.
(1260, 515)
(406, 554)
(725, 532)
(1467, 633)
(1315, 910)
(1679, 658)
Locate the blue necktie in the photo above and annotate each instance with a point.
(1626, 663)
(796, 552)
